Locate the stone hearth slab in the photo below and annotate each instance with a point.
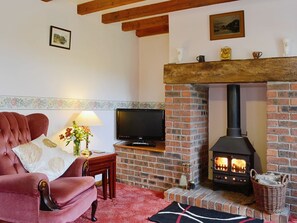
(225, 201)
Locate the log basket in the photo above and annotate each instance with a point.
(270, 198)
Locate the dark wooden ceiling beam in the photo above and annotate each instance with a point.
(146, 23)
(153, 31)
(98, 5)
(46, 0)
(157, 8)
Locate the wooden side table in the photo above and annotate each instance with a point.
(105, 164)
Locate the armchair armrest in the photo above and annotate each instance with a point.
(77, 169)
(21, 192)
(26, 183)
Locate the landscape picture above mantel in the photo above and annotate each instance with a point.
(227, 25)
(232, 71)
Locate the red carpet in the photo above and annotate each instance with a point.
(132, 205)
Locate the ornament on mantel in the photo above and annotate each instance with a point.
(226, 53)
(286, 46)
(179, 56)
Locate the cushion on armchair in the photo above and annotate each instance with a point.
(42, 156)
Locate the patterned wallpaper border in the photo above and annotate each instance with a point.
(44, 103)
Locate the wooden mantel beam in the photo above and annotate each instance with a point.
(152, 31)
(157, 8)
(233, 71)
(146, 23)
(98, 5)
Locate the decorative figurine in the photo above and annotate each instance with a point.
(286, 45)
(226, 53)
(179, 52)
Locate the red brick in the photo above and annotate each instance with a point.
(168, 87)
(272, 138)
(181, 87)
(278, 101)
(272, 167)
(293, 86)
(272, 152)
(186, 94)
(227, 207)
(293, 101)
(293, 132)
(278, 86)
(272, 123)
(234, 209)
(287, 139)
(278, 131)
(168, 100)
(272, 108)
(278, 161)
(278, 116)
(293, 117)
(271, 94)
(258, 214)
(250, 212)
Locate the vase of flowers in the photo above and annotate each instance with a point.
(76, 134)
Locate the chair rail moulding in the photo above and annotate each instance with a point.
(232, 71)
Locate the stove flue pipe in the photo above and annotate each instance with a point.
(233, 110)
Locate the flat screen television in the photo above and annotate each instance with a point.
(140, 127)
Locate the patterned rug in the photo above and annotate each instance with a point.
(183, 213)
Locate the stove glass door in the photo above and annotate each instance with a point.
(221, 163)
(238, 165)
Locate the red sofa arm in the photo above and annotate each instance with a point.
(25, 183)
(77, 168)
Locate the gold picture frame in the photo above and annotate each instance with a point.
(227, 25)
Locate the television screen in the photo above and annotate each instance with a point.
(140, 125)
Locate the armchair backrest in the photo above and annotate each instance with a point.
(16, 129)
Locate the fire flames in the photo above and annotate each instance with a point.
(221, 163)
(238, 166)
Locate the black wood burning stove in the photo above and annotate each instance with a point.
(233, 154)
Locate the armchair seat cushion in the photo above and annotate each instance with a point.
(63, 190)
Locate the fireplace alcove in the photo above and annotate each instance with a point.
(280, 76)
(186, 105)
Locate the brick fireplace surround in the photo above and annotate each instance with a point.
(186, 106)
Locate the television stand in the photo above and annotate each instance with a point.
(142, 143)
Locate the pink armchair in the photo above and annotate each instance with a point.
(30, 197)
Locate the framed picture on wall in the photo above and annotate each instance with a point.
(60, 37)
(227, 25)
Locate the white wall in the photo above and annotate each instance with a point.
(267, 22)
(153, 54)
(102, 63)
